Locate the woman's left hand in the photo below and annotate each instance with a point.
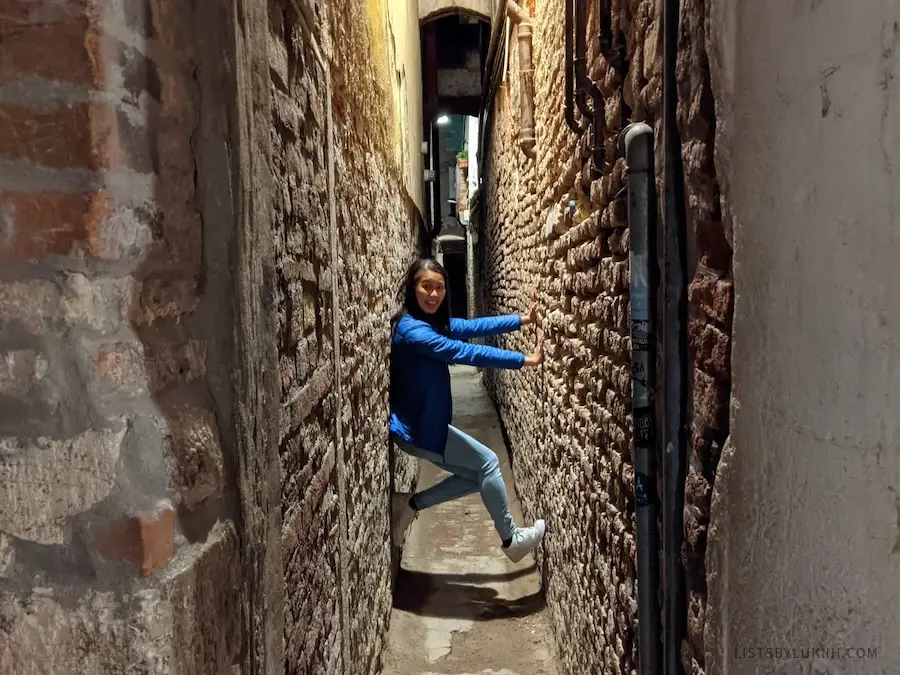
(531, 317)
(536, 357)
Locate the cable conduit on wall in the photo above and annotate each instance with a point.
(675, 357)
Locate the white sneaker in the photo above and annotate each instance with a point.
(402, 514)
(525, 540)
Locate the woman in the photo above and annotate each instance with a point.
(425, 341)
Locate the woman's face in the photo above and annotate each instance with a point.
(430, 290)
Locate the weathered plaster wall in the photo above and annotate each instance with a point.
(804, 539)
(406, 76)
(570, 422)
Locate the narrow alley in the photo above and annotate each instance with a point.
(244, 243)
(461, 607)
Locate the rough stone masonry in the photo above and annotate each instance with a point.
(338, 586)
(570, 423)
(117, 511)
(176, 494)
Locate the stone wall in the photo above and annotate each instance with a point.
(193, 482)
(118, 443)
(357, 228)
(711, 307)
(569, 422)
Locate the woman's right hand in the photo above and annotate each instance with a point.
(537, 356)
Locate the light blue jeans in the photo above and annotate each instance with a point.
(475, 468)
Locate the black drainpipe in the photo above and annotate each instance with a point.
(604, 8)
(675, 357)
(497, 25)
(580, 61)
(644, 280)
(587, 86)
(570, 72)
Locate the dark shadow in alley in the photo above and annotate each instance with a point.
(476, 578)
(449, 596)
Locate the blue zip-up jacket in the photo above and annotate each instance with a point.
(421, 406)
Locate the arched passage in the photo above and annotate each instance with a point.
(429, 10)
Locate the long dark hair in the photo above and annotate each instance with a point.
(440, 320)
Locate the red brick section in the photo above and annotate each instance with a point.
(24, 11)
(146, 542)
(51, 223)
(79, 135)
(63, 47)
(60, 41)
(121, 366)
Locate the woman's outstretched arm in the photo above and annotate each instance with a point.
(464, 329)
(486, 326)
(424, 340)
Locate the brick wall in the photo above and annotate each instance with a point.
(377, 225)
(569, 422)
(307, 444)
(338, 585)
